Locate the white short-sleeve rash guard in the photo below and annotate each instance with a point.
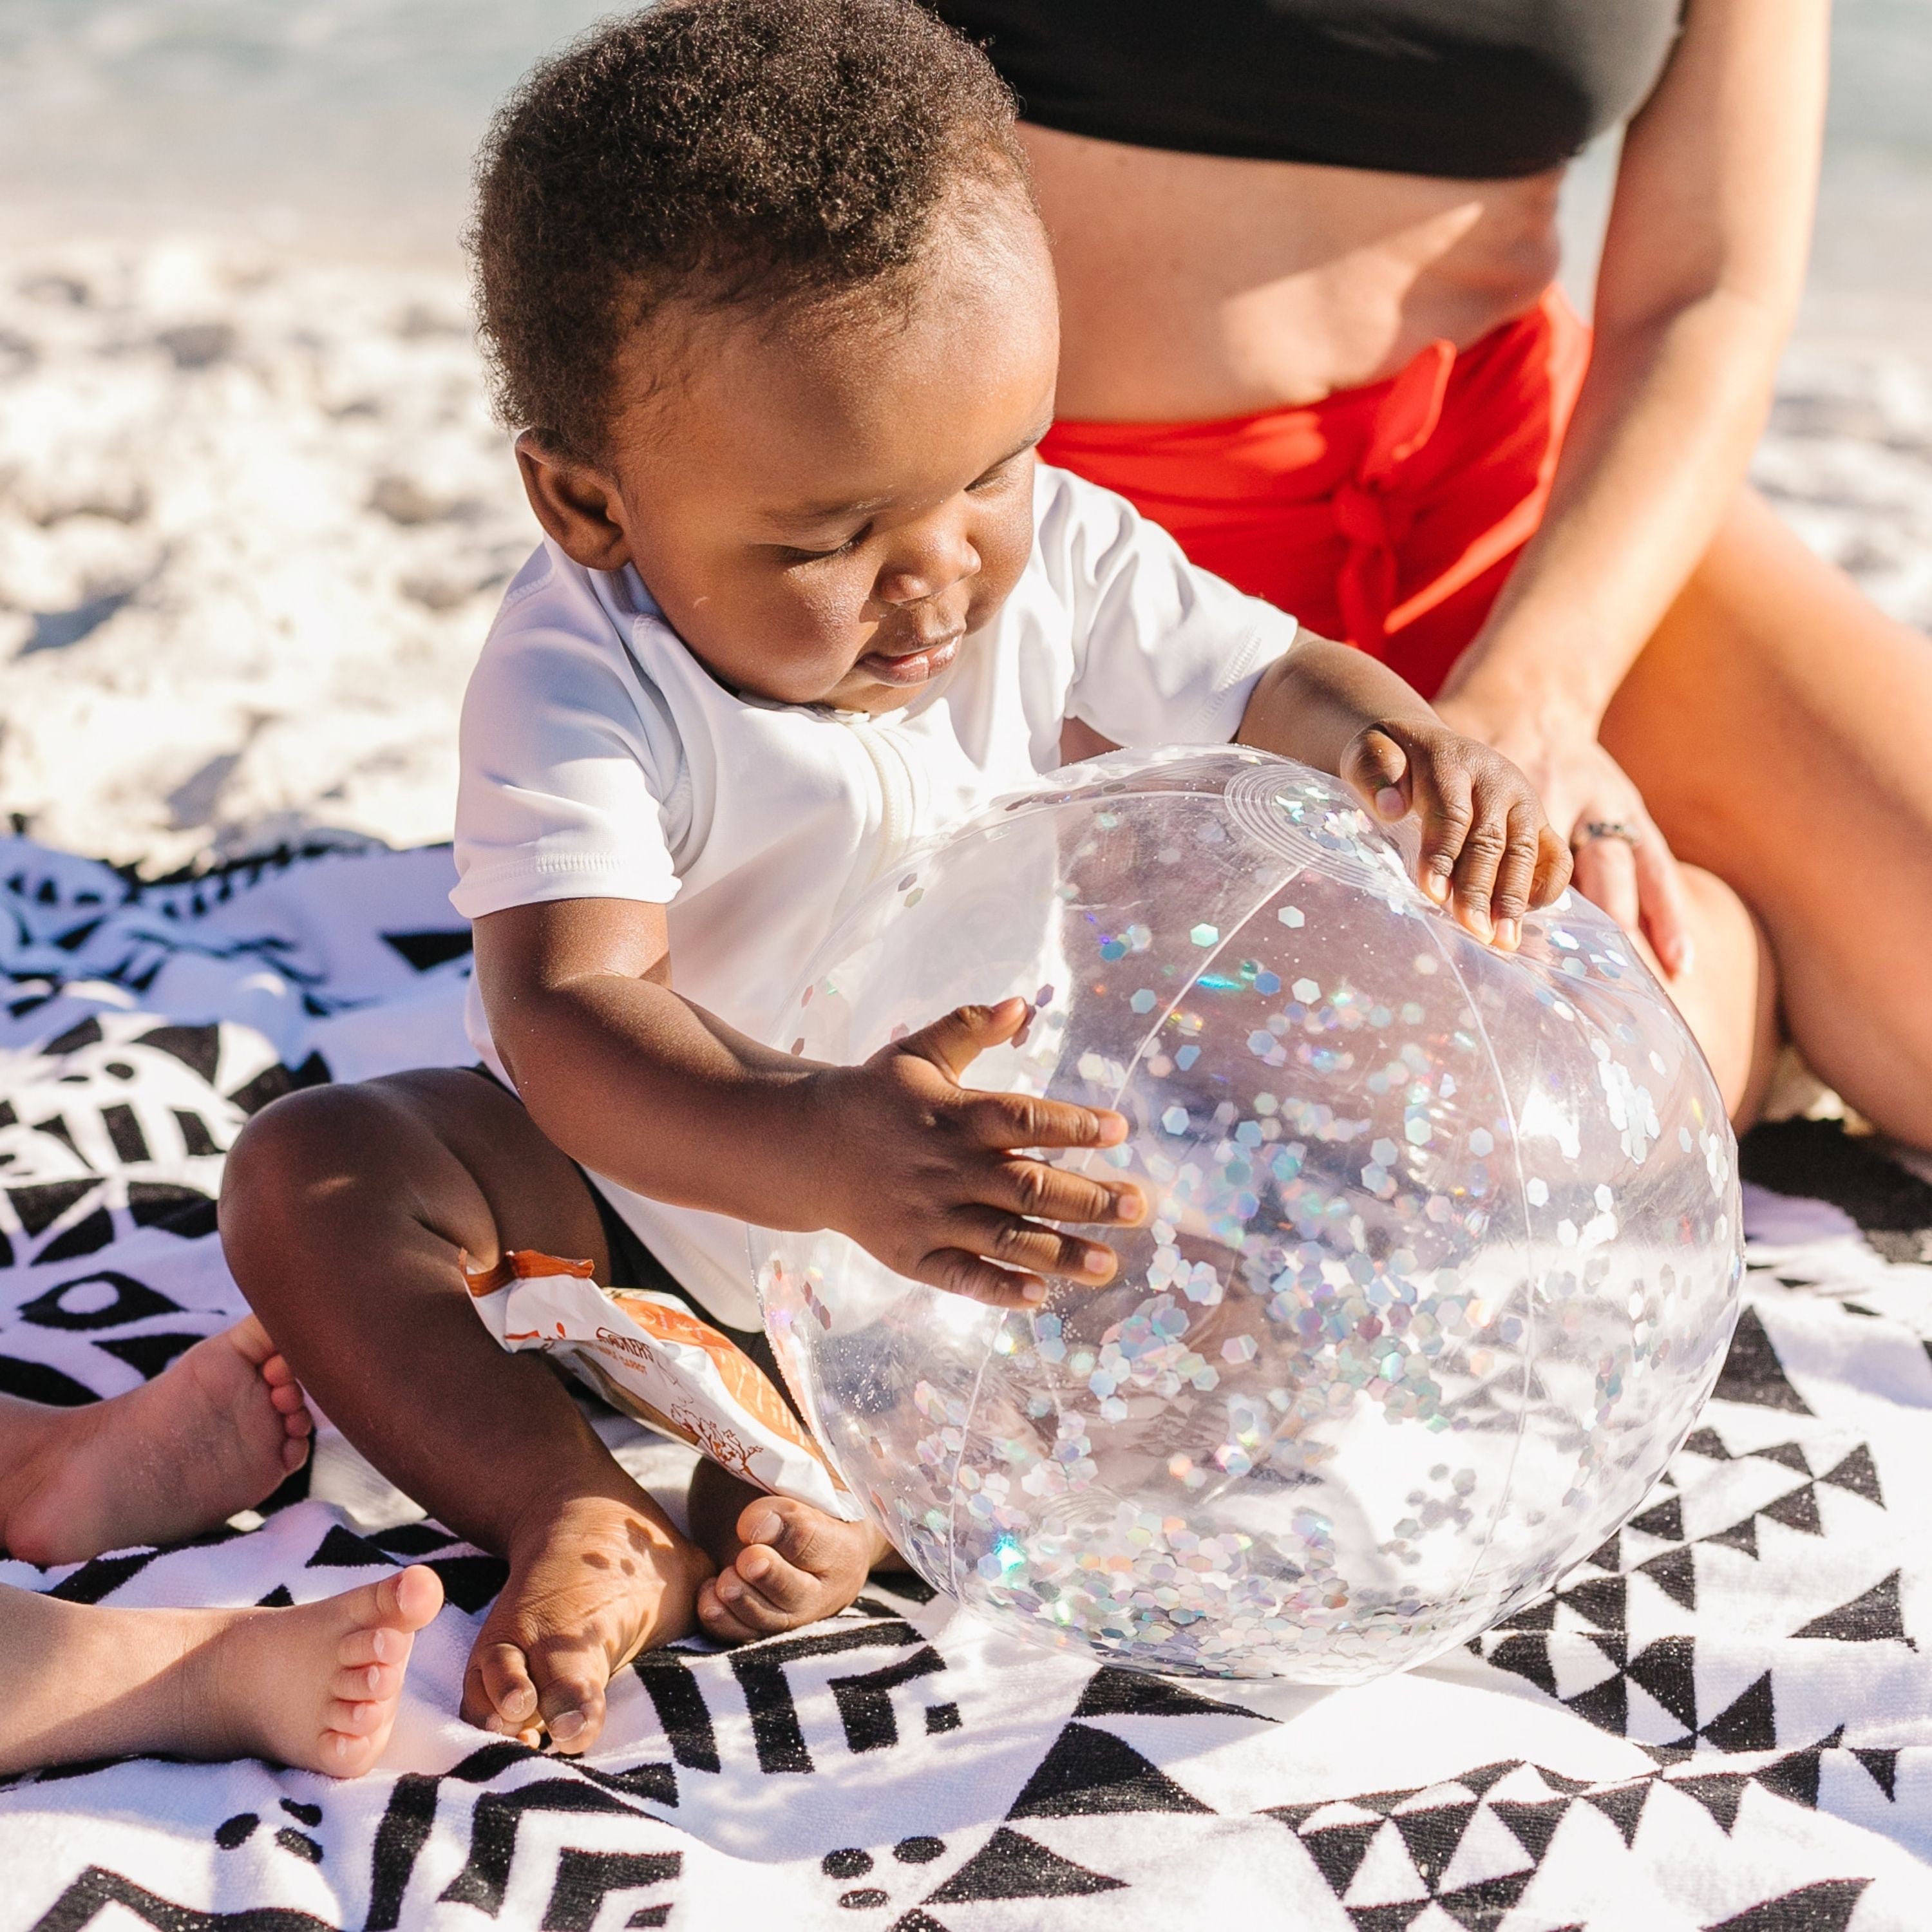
(600, 760)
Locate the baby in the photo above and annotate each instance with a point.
(770, 305)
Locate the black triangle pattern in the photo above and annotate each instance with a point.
(1752, 1372)
(1089, 1771)
(1874, 1617)
(1011, 1865)
(1114, 1693)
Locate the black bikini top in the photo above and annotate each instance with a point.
(1471, 89)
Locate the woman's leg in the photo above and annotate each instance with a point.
(345, 1215)
(1780, 729)
(314, 1686)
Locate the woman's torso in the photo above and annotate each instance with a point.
(1197, 287)
(1254, 203)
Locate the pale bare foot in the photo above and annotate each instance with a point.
(215, 1432)
(315, 1686)
(599, 1580)
(786, 1563)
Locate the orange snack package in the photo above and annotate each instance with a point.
(650, 1356)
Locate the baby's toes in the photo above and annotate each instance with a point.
(777, 1598)
(718, 1623)
(497, 1693)
(361, 1682)
(357, 1716)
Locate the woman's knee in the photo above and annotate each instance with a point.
(1728, 994)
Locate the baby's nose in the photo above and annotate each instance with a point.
(929, 573)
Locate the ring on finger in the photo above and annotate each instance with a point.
(1607, 828)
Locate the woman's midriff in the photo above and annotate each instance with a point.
(1388, 516)
(1345, 392)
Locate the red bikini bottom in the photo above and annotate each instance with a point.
(1388, 516)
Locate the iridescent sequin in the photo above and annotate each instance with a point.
(1442, 1257)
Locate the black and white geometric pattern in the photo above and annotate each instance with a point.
(1724, 1719)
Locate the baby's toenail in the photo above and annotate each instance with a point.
(730, 1588)
(766, 1529)
(566, 1724)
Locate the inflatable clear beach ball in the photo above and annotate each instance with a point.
(1444, 1254)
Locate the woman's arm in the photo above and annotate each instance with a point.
(1701, 271)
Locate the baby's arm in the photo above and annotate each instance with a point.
(636, 1082)
(1484, 837)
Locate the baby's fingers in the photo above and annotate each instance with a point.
(1027, 1248)
(1510, 894)
(1004, 1120)
(1444, 794)
(973, 1278)
(1042, 1192)
(1378, 768)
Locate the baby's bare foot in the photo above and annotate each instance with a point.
(601, 1580)
(215, 1432)
(793, 1565)
(316, 1686)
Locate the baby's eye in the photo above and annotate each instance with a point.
(1001, 472)
(792, 553)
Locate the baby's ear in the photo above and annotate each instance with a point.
(577, 504)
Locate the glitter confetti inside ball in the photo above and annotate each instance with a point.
(1444, 1256)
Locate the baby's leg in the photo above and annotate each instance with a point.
(215, 1432)
(781, 1563)
(315, 1687)
(344, 1216)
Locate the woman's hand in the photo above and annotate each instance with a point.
(932, 1176)
(1487, 853)
(1630, 872)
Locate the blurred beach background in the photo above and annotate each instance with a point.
(254, 516)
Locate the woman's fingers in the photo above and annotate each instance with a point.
(1664, 904)
(1607, 876)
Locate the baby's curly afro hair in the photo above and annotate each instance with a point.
(739, 152)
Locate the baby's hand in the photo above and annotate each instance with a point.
(928, 1175)
(1487, 851)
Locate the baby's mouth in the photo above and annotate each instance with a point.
(906, 668)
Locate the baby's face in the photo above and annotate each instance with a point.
(824, 512)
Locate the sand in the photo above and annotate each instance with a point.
(254, 520)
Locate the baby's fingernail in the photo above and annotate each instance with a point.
(566, 1724)
(1130, 1205)
(1097, 1260)
(1390, 803)
(1477, 920)
(1034, 1292)
(1436, 885)
(1509, 935)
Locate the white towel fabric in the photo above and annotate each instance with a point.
(1722, 1721)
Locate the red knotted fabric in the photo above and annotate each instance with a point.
(1388, 516)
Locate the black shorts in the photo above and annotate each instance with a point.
(633, 1265)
